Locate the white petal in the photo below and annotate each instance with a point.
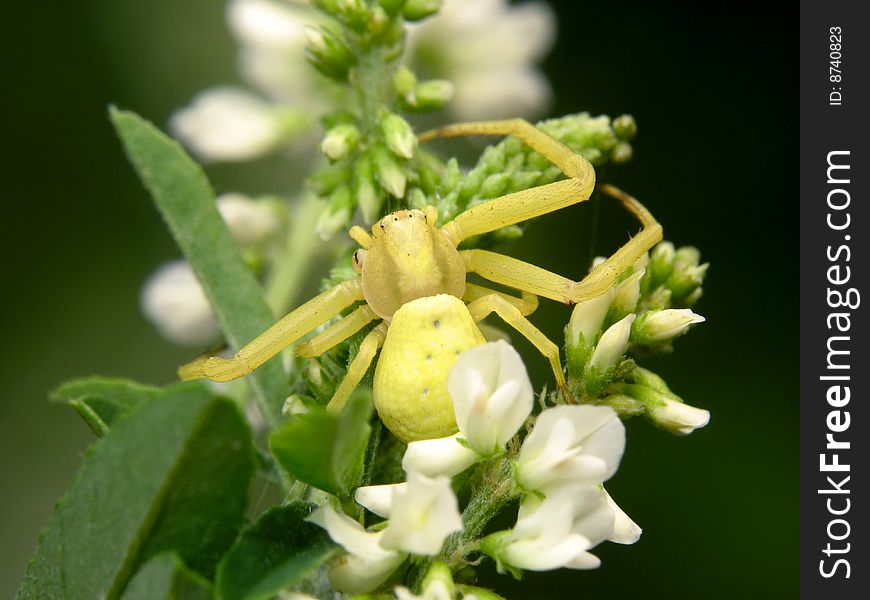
(439, 456)
(533, 555)
(680, 418)
(175, 302)
(422, 516)
(492, 395)
(378, 498)
(574, 443)
(588, 316)
(664, 324)
(625, 531)
(612, 344)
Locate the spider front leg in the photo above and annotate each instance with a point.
(529, 278)
(510, 314)
(369, 347)
(277, 337)
(527, 204)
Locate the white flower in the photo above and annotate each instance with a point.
(613, 344)
(488, 49)
(175, 302)
(422, 515)
(228, 124)
(439, 456)
(367, 564)
(660, 325)
(272, 36)
(492, 395)
(249, 222)
(678, 417)
(587, 318)
(571, 444)
(557, 531)
(625, 531)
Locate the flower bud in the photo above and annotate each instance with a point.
(678, 417)
(625, 127)
(369, 195)
(416, 10)
(627, 293)
(611, 347)
(404, 81)
(437, 585)
(621, 153)
(685, 280)
(388, 172)
(340, 141)
(431, 95)
(328, 53)
(399, 136)
(661, 263)
(587, 319)
(661, 325)
(337, 215)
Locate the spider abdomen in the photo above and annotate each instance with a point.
(423, 342)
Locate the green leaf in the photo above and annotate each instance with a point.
(101, 400)
(325, 449)
(171, 475)
(277, 551)
(185, 199)
(165, 577)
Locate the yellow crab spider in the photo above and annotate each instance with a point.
(412, 277)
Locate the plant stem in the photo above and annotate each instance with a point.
(292, 265)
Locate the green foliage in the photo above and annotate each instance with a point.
(182, 194)
(165, 577)
(101, 400)
(277, 551)
(325, 449)
(171, 475)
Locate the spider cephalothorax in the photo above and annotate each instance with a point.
(412, 276)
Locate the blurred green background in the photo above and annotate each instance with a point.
(715, 97)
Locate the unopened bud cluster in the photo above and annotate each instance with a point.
(644, 311)
(373, 156)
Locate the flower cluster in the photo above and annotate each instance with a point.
(484, 57)
(173, 299)
(643, 312)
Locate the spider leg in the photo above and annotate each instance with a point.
(524, 205)
(280, 335)
(337, 332)
(510, 314)
(526, 305)
(359, 365)
(530, 278)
